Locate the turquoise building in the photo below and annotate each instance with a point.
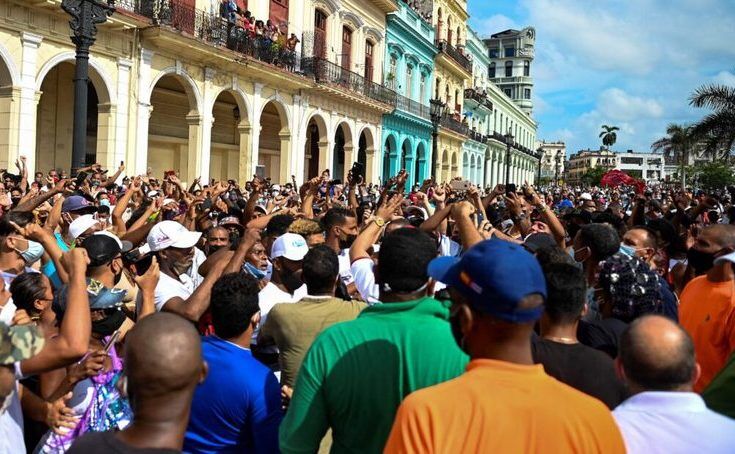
(409, 66)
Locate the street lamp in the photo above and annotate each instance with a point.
(558, 165)
(508, 142)
(539, 155)
(85, 15)
(437, 112)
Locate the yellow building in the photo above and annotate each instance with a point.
(177, 85)
(585, 160)
(452, 74)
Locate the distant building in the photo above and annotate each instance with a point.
(552, 161)
(584, 160)
(511, 54)
(646, 166)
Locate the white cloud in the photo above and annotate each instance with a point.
(725, 78)
(495, 24)
(618, 105)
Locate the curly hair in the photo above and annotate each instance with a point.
(305, 227)
(632, 287)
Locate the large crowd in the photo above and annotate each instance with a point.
(140, 314)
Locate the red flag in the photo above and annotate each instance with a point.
(615, 178)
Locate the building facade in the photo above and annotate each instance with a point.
(584, 160)
(478, 110)
(409, 71)
(511, 55)
(650, 167)
(553, 155)
(175, 85)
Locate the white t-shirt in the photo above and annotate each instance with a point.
(268, 297)
(344, 267)
(449, 247)
(362, 272)
(183, 287)
(11, 426)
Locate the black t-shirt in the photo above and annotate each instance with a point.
(582, 368)
(602, 334)
(107, 442)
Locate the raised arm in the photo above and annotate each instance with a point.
(461, 213)
(111, 180)
(371, 232)
(35, 202)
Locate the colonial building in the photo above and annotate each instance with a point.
(511, 54)
(647, 166)
(409, 70)
(176, 85)
(478, 109)
(553, 155)
(584, 160)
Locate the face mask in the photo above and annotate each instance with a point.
(15, 200)
(627, 250)
(211, 249)
(33, 253)
(8, 401)
(700, 261)
(104, 202)
(575, 252)
(253, 270)
(291, 279)
(346, 243)
(109, 324)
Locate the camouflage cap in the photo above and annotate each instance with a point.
(19, 342)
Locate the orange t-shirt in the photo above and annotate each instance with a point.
(496, 406)
(707, 313)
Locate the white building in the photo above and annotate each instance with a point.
(647, 166)
(511, 55)
(552, 161)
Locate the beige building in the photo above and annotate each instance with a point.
(176, 86)
(552, 161)
(585, 160)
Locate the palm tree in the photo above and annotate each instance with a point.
(716, 130)
(608, 135)
(678, 144)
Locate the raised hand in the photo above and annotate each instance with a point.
(148, 281)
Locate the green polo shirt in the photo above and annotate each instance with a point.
(356, 374)
(720, 394)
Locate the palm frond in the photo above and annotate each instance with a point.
(714, 97)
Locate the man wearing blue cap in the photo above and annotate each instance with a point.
(503, 402)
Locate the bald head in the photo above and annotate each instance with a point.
(163, 357)
(657, 355)
(721, 234)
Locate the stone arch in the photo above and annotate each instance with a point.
(390, 156)
(9, 78)
(406, 154)
(366, 152)
(187, 82)
(97, 75)
(230, 154)
(274, 141)
(466, 165)
(316, 148)
(343, 153)
(9, 75)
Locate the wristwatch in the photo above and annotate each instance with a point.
(380, 222)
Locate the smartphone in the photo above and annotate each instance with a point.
(510, 188)
(207, 204)
(112, 341)
(460, 185)
(81, 176)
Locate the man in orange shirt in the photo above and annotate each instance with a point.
(503, 402)
(707, 308)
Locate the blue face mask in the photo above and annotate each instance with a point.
(254, 271)
(33, 252)
(105, 202)
(627, 250)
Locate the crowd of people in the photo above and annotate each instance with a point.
(141, 314)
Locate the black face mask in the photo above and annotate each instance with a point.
(291, 279)
(346, 243)
(109, 324)
(701, 261)
(212, 249)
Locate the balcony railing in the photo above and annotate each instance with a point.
(478, 96)
(455, 125)
(414, 107)
(476, 136)
(455, 55)
(326, 72)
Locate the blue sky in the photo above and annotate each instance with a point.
(629, 63)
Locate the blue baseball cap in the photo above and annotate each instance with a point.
(77, 203)
(495, 276)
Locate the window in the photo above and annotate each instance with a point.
(422, 88)
(391, 76)
(368, 60)
(510, 51)
(509, 69)
(491, 72)
(346, 47)
(508, 92)
(278, 11)
(527, 93)
(409, 81)
(320, 34)
(526, 68)
(494, 53)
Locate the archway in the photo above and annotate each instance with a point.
(366, 153)
(174, 129)
(444, 163)
(55, 119)
(390, 157)
(230, 141)
(316, 149)
(420, 165)
(455, 165)
(466, 166)
(8, 122)
(342, 156)
(275, 141)
(406, 155)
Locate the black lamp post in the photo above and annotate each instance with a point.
(437, 112)
(539, 155)
(558, 165)
(508, 142)
(85, 15)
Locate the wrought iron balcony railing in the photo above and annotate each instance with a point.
(455, 125)
(409, 105)
(326, 72)
(455, 55)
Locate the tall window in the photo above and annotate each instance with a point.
(320, 34)
(509, 69)
(368, 60)
(409, 81)
(508, 92)
(346, 48)
(278, 11)
(494, 53)
(391, 78)
(422, 88)
(527, 93)
(526, 68)
(491, 72)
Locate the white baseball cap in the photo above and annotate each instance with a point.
(725, 258)
(81, 225)
(291, 246)
(168, 234)
(585, 196)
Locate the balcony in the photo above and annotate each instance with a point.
(455, 55)
(455, 125)
(213, 29)
(413, 107)
(525, 80)
(477, 137)
(326, 72)
(478, 96)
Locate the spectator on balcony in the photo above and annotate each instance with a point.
(271, 32)
(228, 10)
(259, 29)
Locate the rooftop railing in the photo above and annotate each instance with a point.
(326, 72)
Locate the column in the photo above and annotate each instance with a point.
(29, 98)
(106, 131)
(245, 170)
(194, 150)
(255, 122)
(122, 120)
(139, 155)
(298, 140)
(205, 144)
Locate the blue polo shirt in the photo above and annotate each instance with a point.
(238, 407)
